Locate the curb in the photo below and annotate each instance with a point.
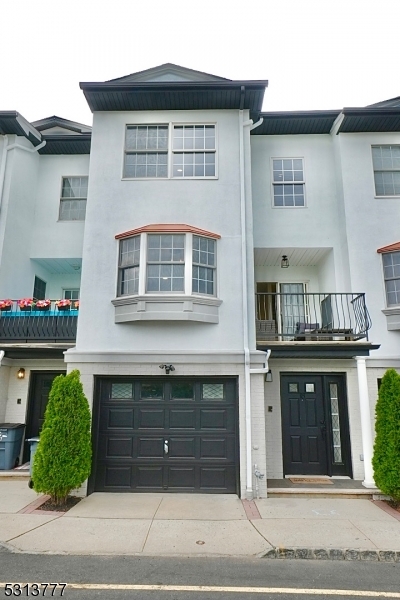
(333, 554)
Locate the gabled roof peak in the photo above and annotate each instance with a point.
(168, 72)
(59, 122)
(391, 103)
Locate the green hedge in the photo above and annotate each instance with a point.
(386, 459)
(63, 458)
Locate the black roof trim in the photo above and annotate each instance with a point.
(194, 95)
(365, 120)
(20, 353)
(67, 144)
(296, 122)
(13, 123)
(54, 121)
(308, 350)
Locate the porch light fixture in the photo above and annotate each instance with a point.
(268, 376)
(168, 368)
(21, 373)
(284, 262)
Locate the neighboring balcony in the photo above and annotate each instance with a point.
(303, 317)
(50, 324)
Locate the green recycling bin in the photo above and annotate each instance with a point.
(11, 435)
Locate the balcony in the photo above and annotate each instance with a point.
(30, 325)
(303, 317)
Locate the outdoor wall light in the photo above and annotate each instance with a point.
(21, 373)
(268, 376)
(168, 368)
(284, 262)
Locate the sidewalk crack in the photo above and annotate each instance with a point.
(362, 532)
(33, 528)
(262, 535)
(151, 523)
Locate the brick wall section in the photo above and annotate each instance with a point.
(4, 378)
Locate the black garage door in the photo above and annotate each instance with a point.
(165, 434)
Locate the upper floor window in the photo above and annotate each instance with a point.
(391, 270)
(288, 181)
(73, 199)
(146, 151)
(194, 151)
(150, 154)
(168, 263)
(386, 162)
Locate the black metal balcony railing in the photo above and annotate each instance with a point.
(38, 325)
(311, 317)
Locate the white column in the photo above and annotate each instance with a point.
(366, 430)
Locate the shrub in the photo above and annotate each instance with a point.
(62, 460)
(386, 459)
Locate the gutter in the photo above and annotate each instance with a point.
(247, 370)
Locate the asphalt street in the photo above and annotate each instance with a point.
(229, 578)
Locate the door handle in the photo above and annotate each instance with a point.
(323, 430)
(165, 446)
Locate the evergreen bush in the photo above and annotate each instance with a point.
(386, 459)
(62, 460)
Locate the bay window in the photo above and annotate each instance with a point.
(167, 273)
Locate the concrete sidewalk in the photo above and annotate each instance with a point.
(194, 524)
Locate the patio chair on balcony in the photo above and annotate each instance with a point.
(305, 331)
(266, 330)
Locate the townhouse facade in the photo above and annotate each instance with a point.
(229, 280)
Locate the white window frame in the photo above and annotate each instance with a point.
(275, 183)
(62, 199)
(389, 306)
(64, 290)
(171, 151)
(188, 268)
(374, 170)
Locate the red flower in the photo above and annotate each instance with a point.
(24, 302)
(43, 303)
(64, 302)
(5, 303)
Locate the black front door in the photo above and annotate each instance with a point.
(165, 434)
(315, 433)
(40, 385)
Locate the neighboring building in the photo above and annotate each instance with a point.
(238, 272)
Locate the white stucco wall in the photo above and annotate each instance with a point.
(117, 205)
(52, 238)
(370, 224)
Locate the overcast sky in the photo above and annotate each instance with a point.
(316, 54)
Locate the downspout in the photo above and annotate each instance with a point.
(3, 165)
(247, 370)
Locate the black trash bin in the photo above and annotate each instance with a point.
(11, 435)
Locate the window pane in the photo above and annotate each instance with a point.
(123, 391)
(182, 391)
(151, 390)
(212, 391)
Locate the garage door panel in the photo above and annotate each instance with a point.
(150, 447)
(217, 478)
(118, 447)
(149, 477)
(117, 418)
(165, 434)
(117, 476)
(182, 447)
(180, 418)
